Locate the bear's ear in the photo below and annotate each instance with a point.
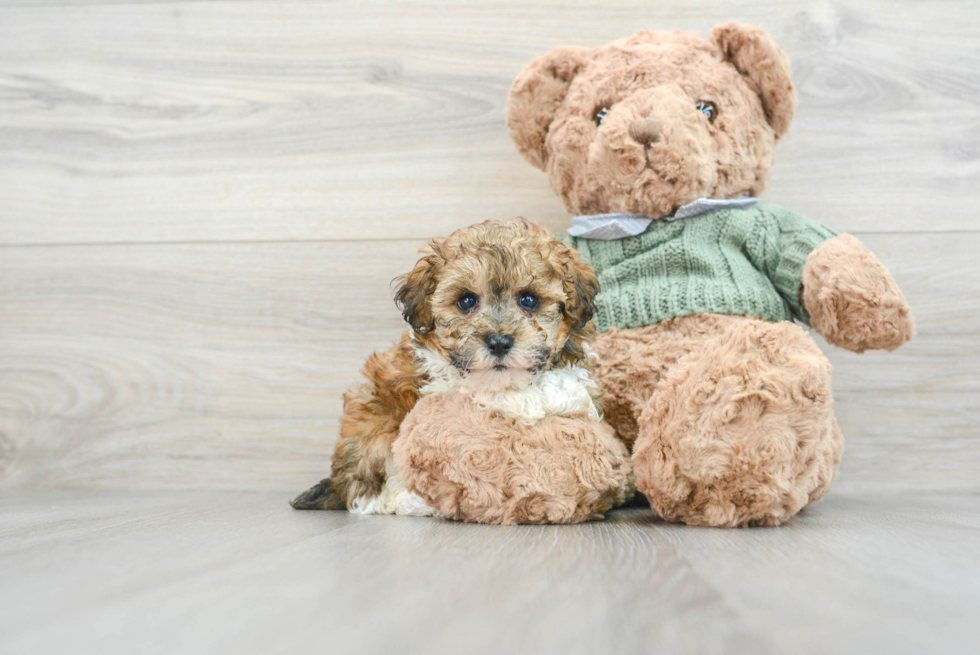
(535, 96)
(756, 56)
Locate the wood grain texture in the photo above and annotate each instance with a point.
(217, 365)
(221, 366)
(180, 572)
(182, 121)
(202, 205)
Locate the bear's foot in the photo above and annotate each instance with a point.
(477, 466)
(741, 431)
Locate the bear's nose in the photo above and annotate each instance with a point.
(646, 130)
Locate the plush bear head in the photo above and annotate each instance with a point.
(655, 120)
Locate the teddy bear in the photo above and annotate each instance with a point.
(659, 143)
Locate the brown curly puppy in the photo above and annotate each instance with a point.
(494, 378)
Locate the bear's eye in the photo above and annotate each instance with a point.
(709, 109)
(467, 302)
(599, 114)
(528, 301)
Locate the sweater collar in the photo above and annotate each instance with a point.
(607, 227)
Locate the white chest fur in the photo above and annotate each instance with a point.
(566, 391)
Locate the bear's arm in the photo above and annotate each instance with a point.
(852, 299)
(779, 245)
(831, 282)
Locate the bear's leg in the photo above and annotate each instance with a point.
(632, 361)
(741, 430)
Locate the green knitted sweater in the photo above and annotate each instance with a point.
(730, 261)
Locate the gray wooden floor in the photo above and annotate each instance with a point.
(202, 205)
(206, 572)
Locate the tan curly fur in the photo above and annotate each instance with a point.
(730, 418)
(630, 363)
(853, 300)
(478, 466)
(739, 430)
(650, 84)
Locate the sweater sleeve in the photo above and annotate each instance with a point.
(780, 246)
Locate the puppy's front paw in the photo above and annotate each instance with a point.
(853, 300)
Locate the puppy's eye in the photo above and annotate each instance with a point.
(709, 109)
(528, 301)
(467, 302)
(599, 114)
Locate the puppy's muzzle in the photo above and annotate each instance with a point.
(499, 344)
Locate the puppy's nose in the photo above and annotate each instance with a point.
(499, 344)
(646, 130)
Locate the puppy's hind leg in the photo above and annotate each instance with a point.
(358, 472)
(373, 412)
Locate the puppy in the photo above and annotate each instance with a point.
(502, 311)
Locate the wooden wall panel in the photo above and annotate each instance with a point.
(202, 205)
(185, 121)
(221, 366)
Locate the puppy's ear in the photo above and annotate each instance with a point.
(766, 67)
(415, 290)
(581, 287)
(535, 96)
